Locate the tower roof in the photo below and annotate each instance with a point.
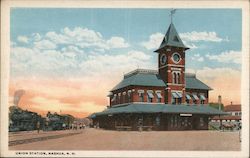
(171, 38)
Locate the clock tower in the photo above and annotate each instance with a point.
(171, 66)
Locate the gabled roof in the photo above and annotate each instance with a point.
(171, 38)
(143, 77)
(161, 108)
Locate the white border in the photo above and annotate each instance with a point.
(5, 42)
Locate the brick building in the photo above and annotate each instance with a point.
(163, 99)
(234, 114)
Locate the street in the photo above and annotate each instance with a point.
(99, 139)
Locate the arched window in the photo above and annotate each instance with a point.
(174, 78)
(178, 78)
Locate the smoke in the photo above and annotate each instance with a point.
(17, 96)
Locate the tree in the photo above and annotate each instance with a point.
(216, 106)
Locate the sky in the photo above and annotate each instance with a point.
(67, 60)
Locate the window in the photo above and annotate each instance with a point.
(141, 96)
(174, 78)
(176, 97)
(195, 98)
(178, 78)
(158, 94)
(188, 98)
(129, 96)
(202, 98)
(150, 96)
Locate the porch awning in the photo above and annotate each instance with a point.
(162, 108)
(158, 94)
(150, 94)
(188, 97)
(202, 97)
(195, 97)
(179, 94)
(175, 95)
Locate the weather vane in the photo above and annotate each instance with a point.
(172, 12)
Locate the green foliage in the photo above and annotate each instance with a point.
(216, 106)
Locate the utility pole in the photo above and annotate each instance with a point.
(219, 102)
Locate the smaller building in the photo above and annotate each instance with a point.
(234, 114)
(231, 121)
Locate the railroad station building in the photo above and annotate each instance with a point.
(163, 99)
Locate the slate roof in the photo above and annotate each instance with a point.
(160, 108)
(142, 77)
(193, 83)
(171, 38)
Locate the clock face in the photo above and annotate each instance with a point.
(176, 57)
(163, 59)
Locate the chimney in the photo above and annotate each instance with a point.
(219, 101)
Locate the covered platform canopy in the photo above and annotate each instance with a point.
(160, 108)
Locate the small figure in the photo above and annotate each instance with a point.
(38, 126)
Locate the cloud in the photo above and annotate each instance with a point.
(227, 57)
(154, 41)
(197, 57)
(117, 42)
(23, 39)
(189, 45)
(36, 37)
(85, 38)
(200, 36)
(45, 44)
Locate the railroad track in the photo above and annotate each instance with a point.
(31, 140)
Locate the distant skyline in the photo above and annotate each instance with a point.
(69, 59)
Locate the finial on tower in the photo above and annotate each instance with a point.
(172, 12)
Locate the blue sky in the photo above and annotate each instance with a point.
(95, 47)
(136, 26)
